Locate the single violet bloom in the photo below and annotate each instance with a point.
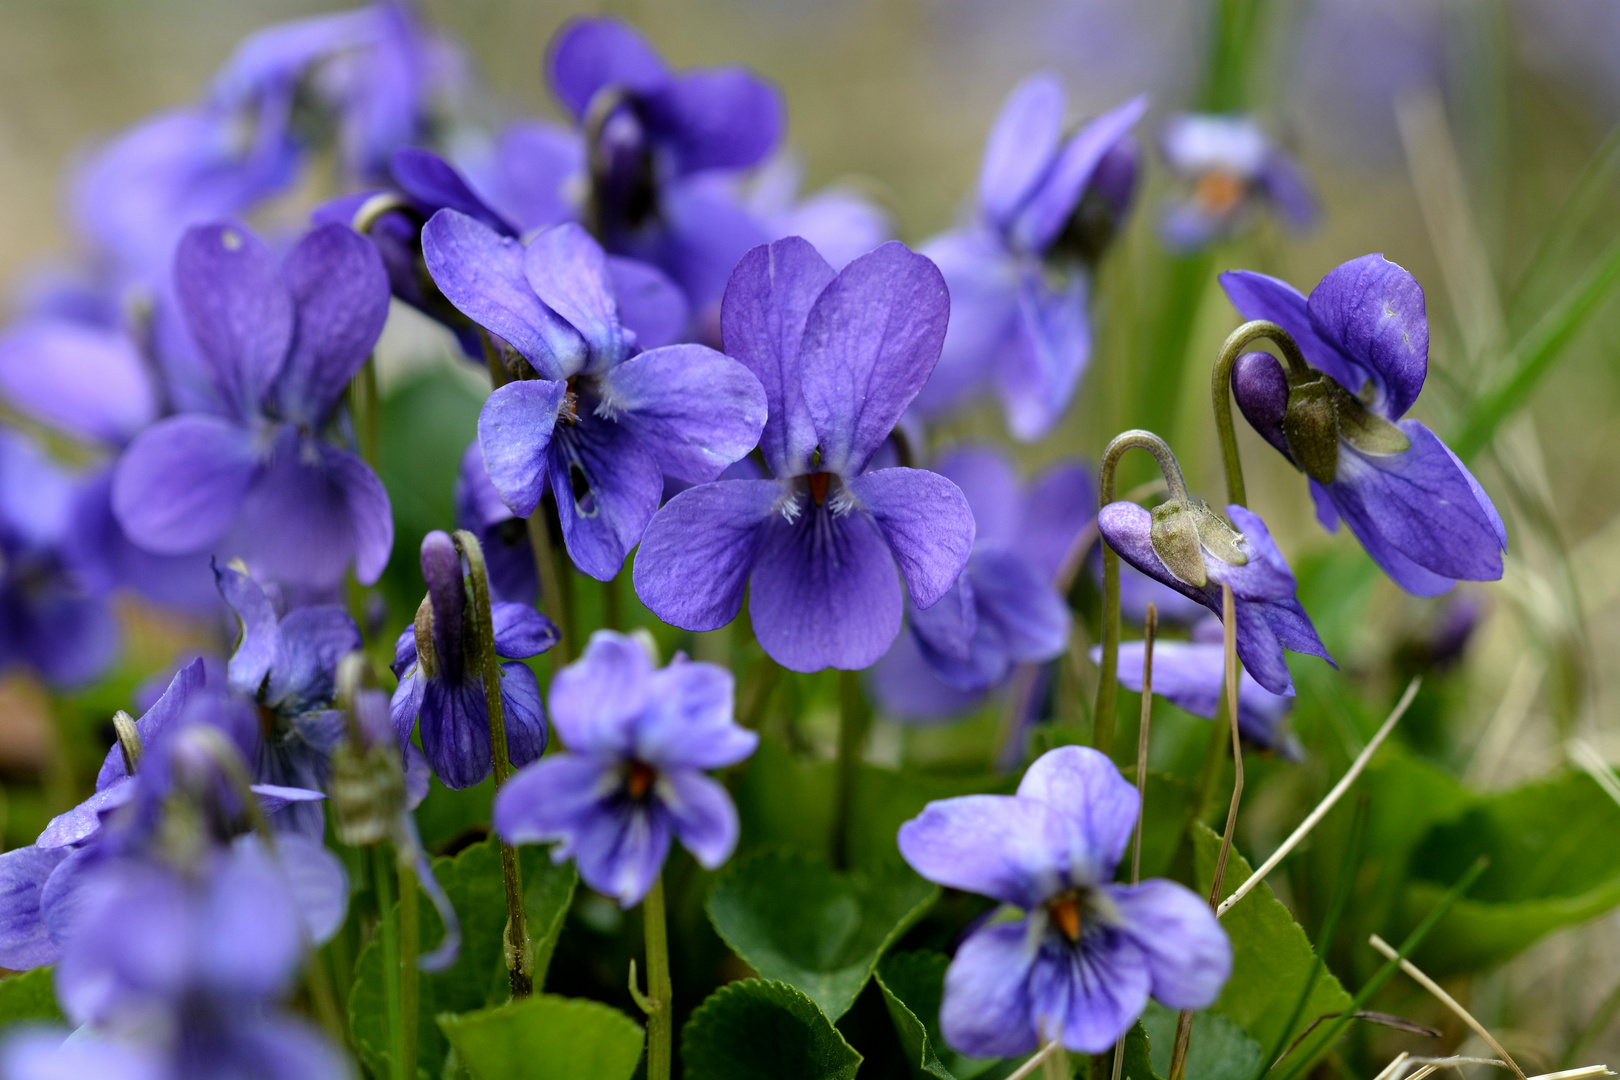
(1020, 273)
(1269, 616)
(1192, 675)
(1234, 169)
(441, 682)
(638, 740)
(604, 421)
(1005, 609)
(1083, 960)
(282, 340)
(1412, 503)
(817, 547)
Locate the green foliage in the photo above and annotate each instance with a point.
(913, 984)
(794, 919)
(29, 996)
(1164, 817)
(472, 880)
(447, 814)
(1217, 1049)
(1271, 956)
(1138, 1064)
(563, 1038)
(758, 1030)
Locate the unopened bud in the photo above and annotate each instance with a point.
(1311, 426)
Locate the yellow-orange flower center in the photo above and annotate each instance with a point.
(1066, 913)
(818, 486)
(1218, 191)
(640, 780)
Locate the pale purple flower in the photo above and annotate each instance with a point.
(1234, 170)
(1087, 953)
(605, 421)
(638, 741)
(281, 341)
(1411, 502)
(817, 546)
(1020, 273)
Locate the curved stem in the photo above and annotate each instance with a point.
(1221, 391)
(1137, 439)
(519, 959)
(375, 207)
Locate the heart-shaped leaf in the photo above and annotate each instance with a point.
(569, 1038)
(758, 1030)
(913, 984)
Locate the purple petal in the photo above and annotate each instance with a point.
(690, 724)
(1261, 390)
(318, 884)
(1372, 311)
(454, 727)
(983, 278)
(1266, 575)
(767, 303)
(238, 309)
(925, 520)
(84, 821)
(24, 940)
(521, 631)
(552, 798)
(723, 118)
(1038, 376)
(1058, 505)
(287, 1049)
(524, 713)
(907, 688)
(259, 638)
(251, 924)
(1289, 190)
(1187, 952)
(707, 231)
(596, 51)
(1021, 604)
(946, 629)
(406, 702)
(514, 431)
(1092, 993)
(371, 518)
(595, 700)
(82, 379)
(481, 272)
(432, 183)
(842, 223)
(607, 486)
(1008, 848)
(1021, 146)
(701, 813)
(1191, 676)
(340, 289)
(568, 271)
(536, 164)
(985, 1010)
(870, 342)
(45, 1054)
(695, 410)
(824, 591)
(989, 481)
(312, 641)
(650, 304)
(1052, 203)
(1258, 296)
(699, 549)
(163, 712)
(1096, 806)
(179, 485)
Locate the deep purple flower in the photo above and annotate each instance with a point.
(503, 535)
(638, 741)
(440, 679)
(1082, 962)
(1234, 169)
(841, 356)
(1191, 675)
(1005, 609)
(604, 421)
(1020, 273)
(1411, 502)
(281, 342)
(1269, 618)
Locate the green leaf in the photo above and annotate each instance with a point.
(1138, 1063)
(1164, 818)
(446, 816)
(757, 1030)
(794, 919)
(1217, 1049)
(472, 880)
(567, 1038)
(1271, 956)
(29, 996)
(1553, 863)
(913, 984)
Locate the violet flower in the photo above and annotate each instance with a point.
(1234, 169)
(440, 679)
(1411, 502)
(1020, 274)
(1192, 675)
(1269, 617)
(604, 421)
(281, 342)
(1005, 609)
(513, 576)
(841, 356)
(632, 777)
(1087, 953)
(840, 221)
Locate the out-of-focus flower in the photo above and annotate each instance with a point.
(1087, 953)
(1005, 608)
(503, 535)
(443, 684)
(1269, 617)
(281, 341)
(1020, 273)
(839, 221)
(1411, 502)
(638, 742)
(605, 421)
(1234, 169)
(840, 356)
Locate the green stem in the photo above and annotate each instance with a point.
(661, 1017)
(612, 615)
(410, 937)
(1159, 387)
(552, 600)
(1229, 627)
(853, 722)
(318, 981)
(388, 931)
(1221, 392)
(517, 950)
